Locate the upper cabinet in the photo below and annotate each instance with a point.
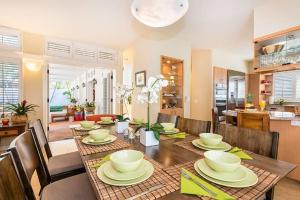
(277, 52)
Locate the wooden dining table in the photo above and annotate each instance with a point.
(168, 154)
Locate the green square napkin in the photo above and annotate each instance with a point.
(189, 187)
(180, 135)
(102, 161)
(240, 153)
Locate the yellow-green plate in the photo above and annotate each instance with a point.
(106, 123)
(134, 123)
(251, 179)
(221, 145)
(112, 173)
(239, 174)
(105, 179)
(87, 129)
(88, 140)
(170, 132)
(227, 146)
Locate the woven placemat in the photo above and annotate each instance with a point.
(85, 149)
(187, 144)
(108, 192)
(266, 180)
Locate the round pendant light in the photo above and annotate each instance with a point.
(159, 13)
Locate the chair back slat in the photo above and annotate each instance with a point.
(29, 159)
(259, 121)
(10, 184)
(257, 141)
(215, 119)
(40, 134)
(193, 126)
(165, 118)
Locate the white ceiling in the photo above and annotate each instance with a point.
(209, 24)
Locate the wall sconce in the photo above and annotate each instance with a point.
(33, 66)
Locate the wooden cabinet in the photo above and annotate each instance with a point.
(220, 76)
(8, 133)
(172, 101)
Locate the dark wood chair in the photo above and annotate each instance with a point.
(260, 142)
(257, 141)
(165, 118)
(60, 166)
(193, 126)
(215, 119)
(28, 159)
(11, 186)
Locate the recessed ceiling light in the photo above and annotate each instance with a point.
(159, 13)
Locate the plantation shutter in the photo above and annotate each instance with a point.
(287, 86)
(9, 84)
(10, 39)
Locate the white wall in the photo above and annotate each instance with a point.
(146, 56)
(201, 84)
(228, 60)
(276, 15)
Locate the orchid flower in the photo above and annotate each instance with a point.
(149, 93)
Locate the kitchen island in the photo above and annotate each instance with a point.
(288, 126)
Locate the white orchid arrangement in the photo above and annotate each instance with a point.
(149, 94)
(124, 94)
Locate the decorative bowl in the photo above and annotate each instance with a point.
(221, 161)
(210, 138)
(87, 124)
(272, 48)
(126, 160)
(138, 120)
(168, 126)
(99, 134)
(106, 119)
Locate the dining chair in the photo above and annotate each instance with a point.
(165, 118)
(28, 159)
(259, 120)
(11, 186)
(215, 119)
(97, 118)
(193, 126)
(260, 142)
(60, 166)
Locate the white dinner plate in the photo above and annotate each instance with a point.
(251, 179)
(87, 129)
(239, 174)
(105, 179)
(112, 173)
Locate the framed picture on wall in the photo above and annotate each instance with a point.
(140, 79)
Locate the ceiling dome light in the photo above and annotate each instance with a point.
(159, 13)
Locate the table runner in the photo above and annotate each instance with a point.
(108, 192)
(85, 149)
(266, 180)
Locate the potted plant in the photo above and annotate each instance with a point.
(124, 93)
(79, 113)
(151, 133)
(90, 106)
(20, 111)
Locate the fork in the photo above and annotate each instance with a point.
(185, 175)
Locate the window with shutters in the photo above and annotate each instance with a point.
(287, 86)
(9, 84)
(10, 39)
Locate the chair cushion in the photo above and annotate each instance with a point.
(73, 188)
(65, 163)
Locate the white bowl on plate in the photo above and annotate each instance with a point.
(99, 134)
(126, 160)
(168, 126)
(222, 161)
(87, 124)
(210, 138)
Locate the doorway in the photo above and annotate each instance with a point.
(75, 92)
